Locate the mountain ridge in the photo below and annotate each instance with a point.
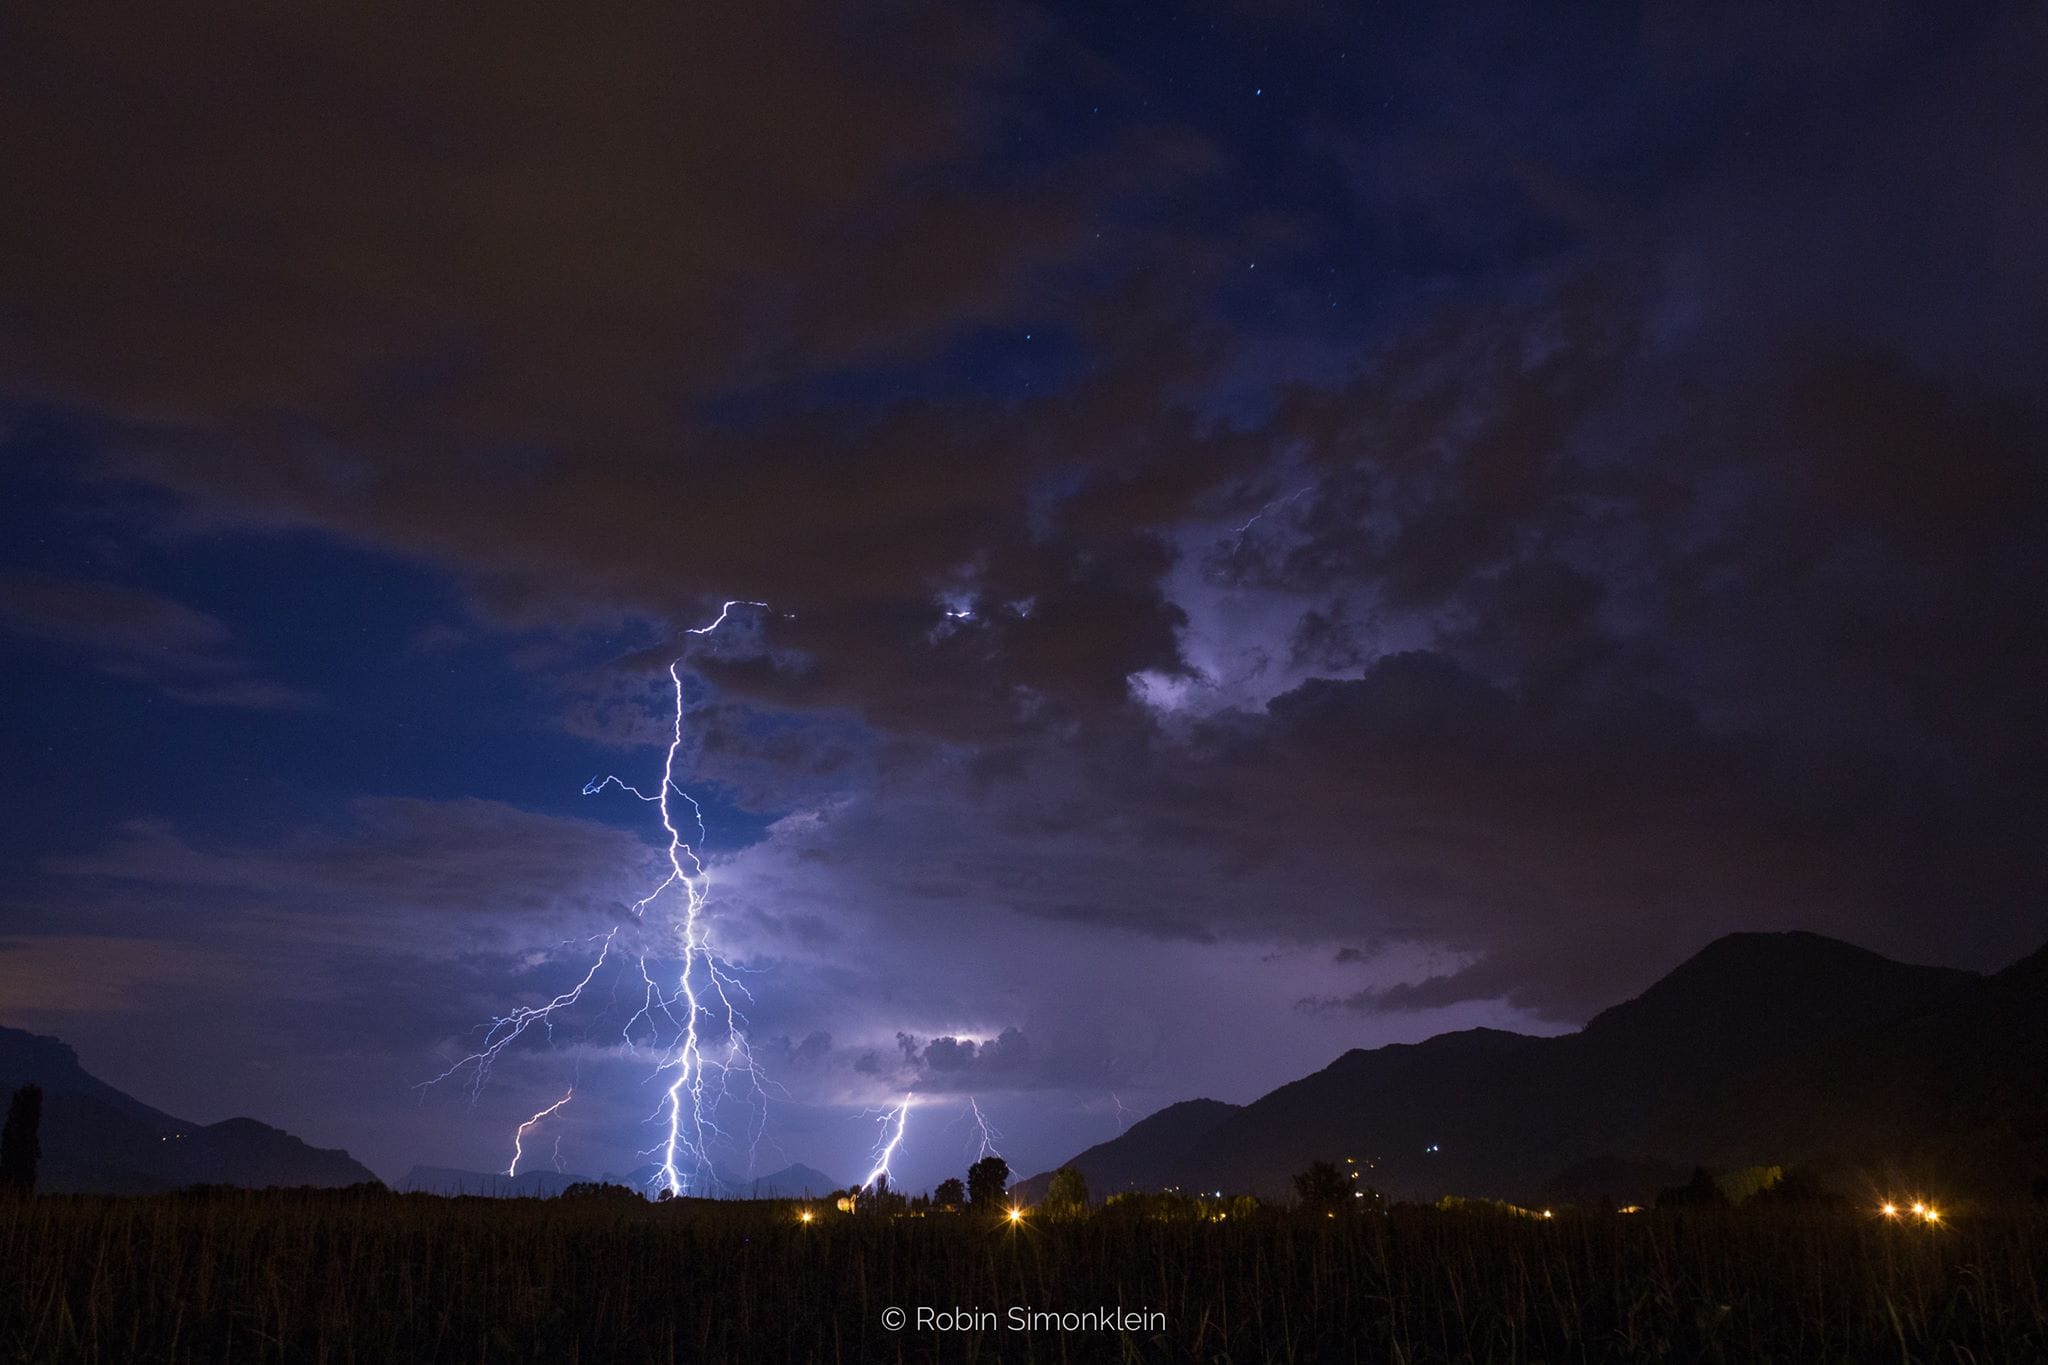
(1682, 1072)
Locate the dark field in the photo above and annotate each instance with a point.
(355, 1277)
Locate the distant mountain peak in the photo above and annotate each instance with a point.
(1753, 991)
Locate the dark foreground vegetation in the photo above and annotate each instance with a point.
(368, 1276)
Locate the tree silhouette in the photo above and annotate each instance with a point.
(1701, 1192)
(1323, 1188)
(950, 1194)
(988, 1184)
(879, 1200)
(1066, 1196)
(19, 1148)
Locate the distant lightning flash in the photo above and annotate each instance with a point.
(1296, 496)
(709, 1038)
(519, 1133)
(989, 1136)
(885, 1149)
(723, 612)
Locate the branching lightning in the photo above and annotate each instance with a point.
(707, 1041)
(506, 1029)
(890, 1140)
(988, 1132)
(519, 1133)
(688, 1118)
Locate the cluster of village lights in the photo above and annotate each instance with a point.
(1919, 1209)
(1014, 1214)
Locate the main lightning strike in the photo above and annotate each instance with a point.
(689, 1122)
(704, 990)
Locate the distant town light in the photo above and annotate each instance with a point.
(1889, 1210)
(1016, 1215)
(804, 1217)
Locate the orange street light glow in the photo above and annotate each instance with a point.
(1888, 1210)
(1016, 1215)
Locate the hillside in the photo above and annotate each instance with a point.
(96, 1139)
(1133, 1159)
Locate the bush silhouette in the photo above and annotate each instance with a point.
(603, 1189)
(20, 1148)
(1323, 1188)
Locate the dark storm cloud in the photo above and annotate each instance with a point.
(1661, 554)
(965, 1064)
(1135, 921)
(434, 870)
(1007, 1062)
(141, 636)
(464, 293)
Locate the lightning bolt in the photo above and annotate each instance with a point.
(689, 1119)
(519, 1133)
(989, 1135)
(1123, 1115)
(709, 1046)
(506, 1028)
(885, 1147)
(1297, 495)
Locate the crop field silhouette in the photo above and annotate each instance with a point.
(370, 1276)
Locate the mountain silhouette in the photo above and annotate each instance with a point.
(1762, 1048)
(796, 1181)
(99, 1140)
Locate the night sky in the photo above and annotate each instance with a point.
(1284, 527)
